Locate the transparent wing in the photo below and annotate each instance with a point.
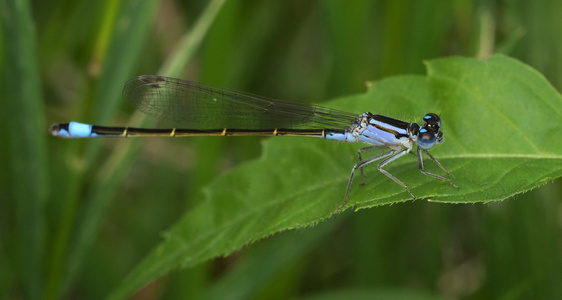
(201, 106)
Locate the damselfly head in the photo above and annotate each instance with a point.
(429, 134)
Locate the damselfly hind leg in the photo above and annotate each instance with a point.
(360, 165)
(361, 150)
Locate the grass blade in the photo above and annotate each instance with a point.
(22, 112)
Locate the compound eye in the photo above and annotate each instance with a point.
(427, 139)
(432, 121)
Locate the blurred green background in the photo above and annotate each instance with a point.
(76, 216)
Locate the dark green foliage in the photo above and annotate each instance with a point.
(83, 219)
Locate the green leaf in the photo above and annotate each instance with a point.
(254, 273)
(500, 124)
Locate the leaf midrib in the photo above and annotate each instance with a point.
(500, 155)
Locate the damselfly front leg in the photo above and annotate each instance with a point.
(420, 166)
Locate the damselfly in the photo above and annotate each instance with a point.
(212, 111)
